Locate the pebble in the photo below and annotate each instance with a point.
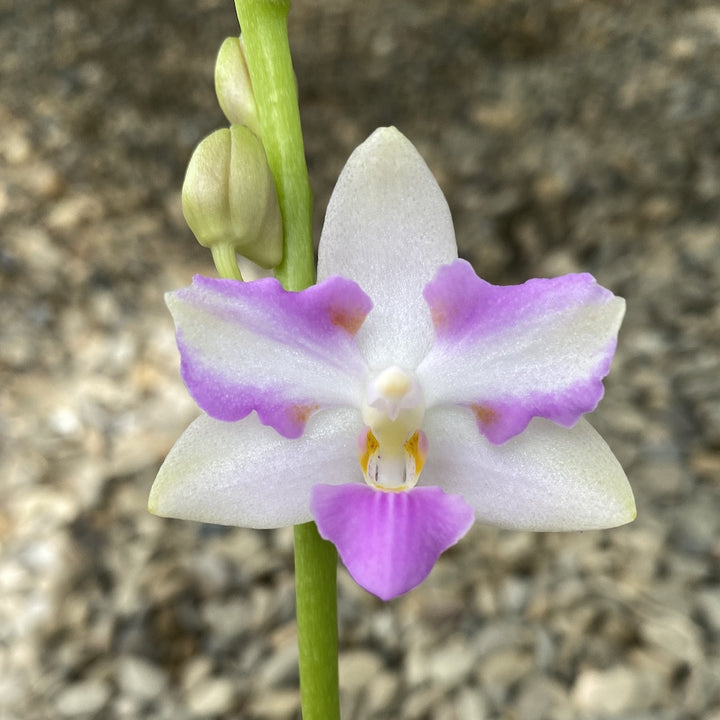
(381, 692)
(211, 696)
(451, 663)
(542, 698)
(359, 669)
(141, 679)
(70, 212)
(281, 667)
(675, 635)
(470, 703)
(708, 603)
(418, 702)
(501, 670)
(83, 699)
(196, 670)
(278, 705)
(619, 689)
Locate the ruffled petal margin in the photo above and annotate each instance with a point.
(511, 353)
(389, 541)
(547, 478)
(254, 346)
(245, 474)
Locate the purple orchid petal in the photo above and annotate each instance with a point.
(516, 352)
(389, 541)
(254, 346)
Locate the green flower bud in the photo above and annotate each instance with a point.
(229, 199)
(233, 86)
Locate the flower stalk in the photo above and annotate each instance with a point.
(316, 593)
(264, 28)
(263, 24)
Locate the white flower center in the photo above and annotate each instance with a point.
(392, 448)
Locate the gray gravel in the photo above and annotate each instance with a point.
(568, 136)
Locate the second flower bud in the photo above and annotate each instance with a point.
(229, 199)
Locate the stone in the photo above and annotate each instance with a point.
(211, 696)
(276, 705)
(674, 635)
(83, 699)
(195, 670)
(707, 602)
(470, 703)
(281, 667)
(419, 702)
(140, 678)
(381, 692)
(619, 689)
(358, 669)
(450, 664)
(544, 699)
(499, 672)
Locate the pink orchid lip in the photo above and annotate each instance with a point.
(389, 541)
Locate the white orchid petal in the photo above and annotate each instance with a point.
(546, 478)
(246, 474)
(388, 227)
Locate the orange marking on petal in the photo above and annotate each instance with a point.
(439, 316)
(349, 320)
(484, 415)
(301, 413)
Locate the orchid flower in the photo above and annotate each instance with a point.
(399, 399)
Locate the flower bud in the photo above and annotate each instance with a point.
(229, 198)
(233, 86)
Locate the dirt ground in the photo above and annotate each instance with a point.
(568, 135)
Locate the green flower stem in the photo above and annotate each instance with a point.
(263, 24)
(264, 28)
(316, 593)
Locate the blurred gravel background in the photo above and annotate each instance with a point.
(568, 135)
